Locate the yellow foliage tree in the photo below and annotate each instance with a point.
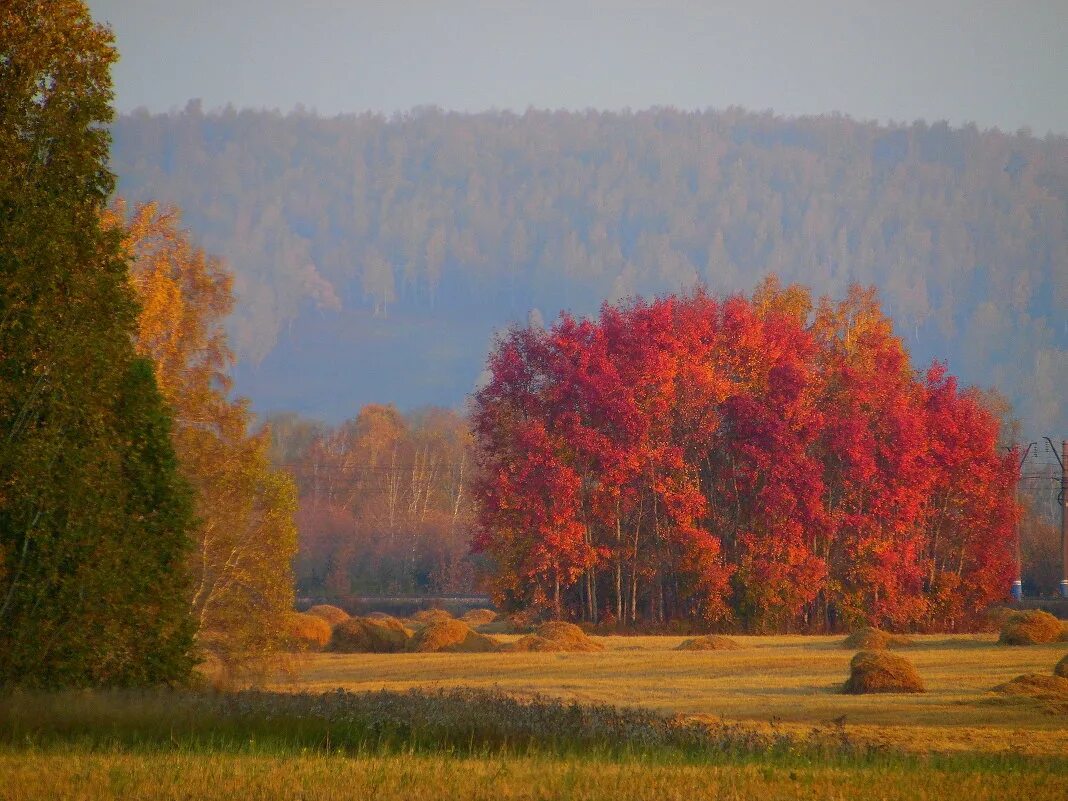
(242, 578)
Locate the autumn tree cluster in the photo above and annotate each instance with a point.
(244, 538)
(141, 523)
(384, 502)
(765, 462)
(95, 518)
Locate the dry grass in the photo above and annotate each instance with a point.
(331, 614)
(872, 639)
(711, 642)
(1051, 692)
(174, 776)
(794, 681)
(365, 635)
(1033, 627)
(880, 672)
(426, 616)
(479, 617)
(559, 637)
(453, 636)
(1061, 668)
(306, 632)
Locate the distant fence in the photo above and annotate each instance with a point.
(401, 605)
(1058, 607)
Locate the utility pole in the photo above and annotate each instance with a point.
(1062, 459)
(1017, 584)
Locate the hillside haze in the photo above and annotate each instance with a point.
(375, 257)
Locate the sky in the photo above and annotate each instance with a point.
(1002, 64)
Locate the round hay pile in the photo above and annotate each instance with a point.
(1051, 691)
(427, 616)
(873, 639)
(557, 636)
(479, 617)
(881, 672)
(711, 642)
(364, 635)
(304, 632)
(1030, 628)
(453, 636)
(1061, 668)
(331, 614)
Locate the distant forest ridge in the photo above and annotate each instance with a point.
(375, 257)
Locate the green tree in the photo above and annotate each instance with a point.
(94, 517)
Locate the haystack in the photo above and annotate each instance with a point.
(479, 617)
(881, 672)
(453, 636)
(304, 632)
(427, 616)
(711, 642)
(873, 639)
(364, 635)
(331, 614)
(557, 636)
(1030, 628)
(1050, 691)
(1061, 668)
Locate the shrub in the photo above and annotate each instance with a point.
(1030, 628)
(880, 672)
(710, 642)
(873, 639)
(479, 617)
(368, 636)
(453, 636)
(305, 632)
(557, 636)
(1061, 668)
(331, 614)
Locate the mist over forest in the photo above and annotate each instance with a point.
(375, 257)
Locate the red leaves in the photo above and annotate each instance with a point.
(749, 459)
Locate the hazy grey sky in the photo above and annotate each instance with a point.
(992, 63)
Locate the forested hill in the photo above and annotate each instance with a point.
(376, 256)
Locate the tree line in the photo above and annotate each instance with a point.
(385, 504)
(769, 462)
(427, 231)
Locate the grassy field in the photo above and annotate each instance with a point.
(294, 740)
(173, 776)
(790, 681)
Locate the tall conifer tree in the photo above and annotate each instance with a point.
(94, 519)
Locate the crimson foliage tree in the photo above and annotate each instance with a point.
(765, 462)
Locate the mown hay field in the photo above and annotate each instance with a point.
(788, 682)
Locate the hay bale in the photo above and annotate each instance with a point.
(869, 638)
(331, 614)
(557, 636)
(305, 632)
(881, 672)
(427, 616)
(479, 617)
(453, 636)
(1030, 628)
(1050, 691)
(1061, 668)
(364, 635)
(711, 642)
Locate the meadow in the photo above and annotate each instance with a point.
(790, 683)
(637, 720)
